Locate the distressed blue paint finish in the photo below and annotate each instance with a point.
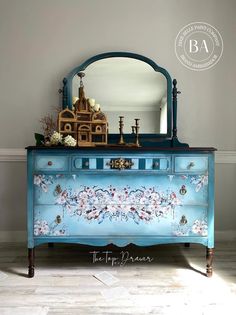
(121, 242)
(166, 197)
(30, 200)
(48, 163)
(211, 199)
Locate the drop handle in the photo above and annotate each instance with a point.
(58, 219)
(183, 190)
(49, 163)
(183, 220)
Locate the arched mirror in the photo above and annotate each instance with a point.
(128, 85)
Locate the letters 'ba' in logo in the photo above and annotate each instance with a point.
(198, 46)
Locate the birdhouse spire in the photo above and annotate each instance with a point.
(82, 104)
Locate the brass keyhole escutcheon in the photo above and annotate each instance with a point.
(183, 220)
(49, 163)
(120, 164)
(183, 190)
(58, 219)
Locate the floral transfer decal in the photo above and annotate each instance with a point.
(43, 181)
(98, 204)
(94, 203)
(198, 228)
(199, 181)
(42, 227)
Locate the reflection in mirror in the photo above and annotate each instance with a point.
(127, 87)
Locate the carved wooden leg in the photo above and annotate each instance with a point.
(186, 244)
(209, 258)
(31, 262)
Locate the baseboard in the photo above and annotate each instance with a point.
(21, 236)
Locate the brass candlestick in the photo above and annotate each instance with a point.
(137, 132)
(121, 126)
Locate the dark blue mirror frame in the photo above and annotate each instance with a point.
(145, 139)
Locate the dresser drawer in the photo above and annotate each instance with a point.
(51, 163)
(157, 163)
(59, 221)
(190, 164)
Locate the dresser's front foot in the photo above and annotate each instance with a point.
(31, 272)
(209, 258)
(31, 262)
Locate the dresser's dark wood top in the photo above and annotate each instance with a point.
(123, 148)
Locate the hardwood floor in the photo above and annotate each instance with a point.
(64, 283)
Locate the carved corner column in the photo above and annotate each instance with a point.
(209, 259)
(31, 257)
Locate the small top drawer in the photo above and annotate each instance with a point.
(190, 164)
(51, 163)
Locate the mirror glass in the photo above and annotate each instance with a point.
(127, 87)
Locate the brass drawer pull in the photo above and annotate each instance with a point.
(49, 163)
(183, 220)
(191, 164)
(58, 219)
(120, 164)
(155, 164)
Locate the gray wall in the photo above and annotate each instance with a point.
(40, 41)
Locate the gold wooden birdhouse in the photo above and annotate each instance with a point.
(67, 122)
(87, 126)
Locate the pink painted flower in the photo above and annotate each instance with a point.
(200, 227)
(41, 228)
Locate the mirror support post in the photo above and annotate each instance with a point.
(174, 141)
(64, 94)
(175, 92)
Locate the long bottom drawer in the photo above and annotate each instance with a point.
(58, 221)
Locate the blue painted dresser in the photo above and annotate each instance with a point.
(151, 196)
(143, 187)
